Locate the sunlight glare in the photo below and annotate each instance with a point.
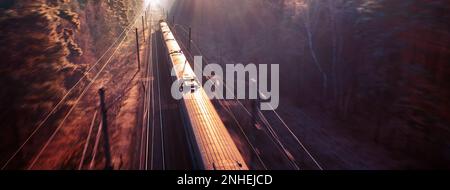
(153, 2)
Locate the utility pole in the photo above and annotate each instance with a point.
(190, 38)
(137, 50)
(143, 28)
(173, 20)
(106, 146)
(146, 19)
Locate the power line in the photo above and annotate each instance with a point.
(94, 149)
(86, 144)
(60, 102)
(70, 111)
(274, 111)
(229, 111)
(78, 100)
(297, 139)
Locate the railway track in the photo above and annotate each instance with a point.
(211, 144)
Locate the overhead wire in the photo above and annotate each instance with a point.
(319, 166)
(82, 95)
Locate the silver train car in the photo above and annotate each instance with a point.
(211, 143)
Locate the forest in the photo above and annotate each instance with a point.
(377, 69)
(49, 45)
(364, 83)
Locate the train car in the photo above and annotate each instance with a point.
(211, 143)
